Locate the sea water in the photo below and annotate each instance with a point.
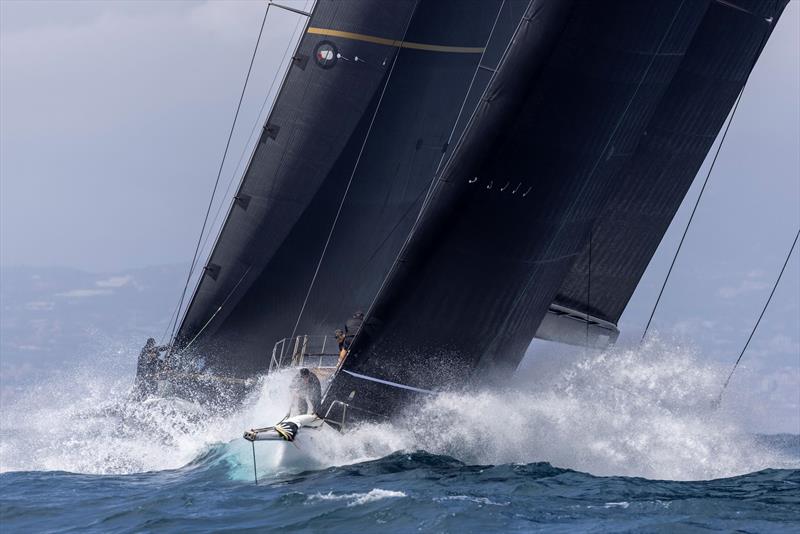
(628, 440)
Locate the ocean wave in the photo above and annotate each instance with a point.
(402, 491)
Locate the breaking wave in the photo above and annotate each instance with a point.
(644, 412)
(647, 412)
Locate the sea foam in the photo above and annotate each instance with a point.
(644, 411)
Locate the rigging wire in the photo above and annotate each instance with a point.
(352, 174)
(359, 275)
(603, 153)
(588, 288)
(169, 324)
(219, 309)
(389, 233)
(426, 190)
(241, 158)
(691, 217)
(219, 174)
(280, 70)
(763, 310)
(464, 102)
(434, 180)
(253, 129)
(708, 174)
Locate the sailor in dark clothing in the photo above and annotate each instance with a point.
(306, 393)
(339, 335)
(351, 328)
(148, 368)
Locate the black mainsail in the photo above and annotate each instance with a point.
(371, 100)
(465, 170)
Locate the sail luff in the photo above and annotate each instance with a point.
(208, 285)
(233, 201)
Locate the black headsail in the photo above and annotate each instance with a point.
(367, 108)
(672, 148)
(599, 116)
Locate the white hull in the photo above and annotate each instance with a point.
(298, 444)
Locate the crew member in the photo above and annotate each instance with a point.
(351, 328)
(339, 334)
(148, 367)
(306, 393)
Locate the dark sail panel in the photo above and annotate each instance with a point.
(385, 165)
(559, 129)
(316, 112)
(675, 143)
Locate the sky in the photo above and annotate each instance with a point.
(114, 120)
(114, 117)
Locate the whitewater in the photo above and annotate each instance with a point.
(630, 438)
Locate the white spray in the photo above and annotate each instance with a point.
(639, 412)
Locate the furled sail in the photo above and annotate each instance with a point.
(594, 126)
(349, 151)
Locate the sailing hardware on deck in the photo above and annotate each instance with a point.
(317, 352)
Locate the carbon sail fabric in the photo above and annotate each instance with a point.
(599, 117)
(669, 155)
(295, 154)
(371, 101)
